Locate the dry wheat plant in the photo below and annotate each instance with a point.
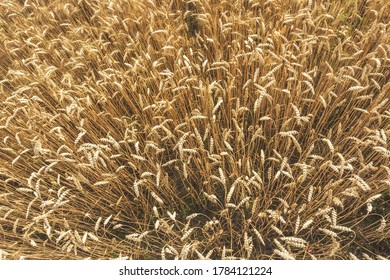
(200, 129)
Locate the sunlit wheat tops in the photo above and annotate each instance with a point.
(194, 129)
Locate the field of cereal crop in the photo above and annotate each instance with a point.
(203, 129)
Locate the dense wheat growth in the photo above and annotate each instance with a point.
(175, 129)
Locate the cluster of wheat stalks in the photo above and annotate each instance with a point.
(194, 129)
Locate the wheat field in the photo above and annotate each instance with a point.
(176, 129)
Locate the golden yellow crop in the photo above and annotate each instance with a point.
(175, 129)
